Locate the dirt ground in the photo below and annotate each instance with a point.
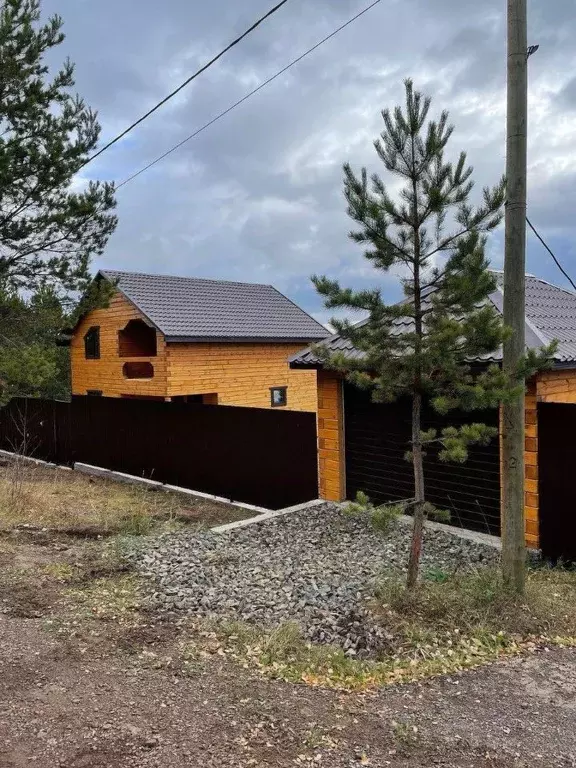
(90, 679)
(88, 688)
(62, 705)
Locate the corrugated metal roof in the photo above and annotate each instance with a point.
(195, 309)
(550, 315)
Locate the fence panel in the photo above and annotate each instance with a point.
(258, 456)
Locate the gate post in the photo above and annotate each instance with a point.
(531, 501)
(331, 460)
(531, 504)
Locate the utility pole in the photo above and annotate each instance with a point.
(513, 541)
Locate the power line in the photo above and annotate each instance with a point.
(248, 95)
(560, 267)
(218, 117)
(186, 82)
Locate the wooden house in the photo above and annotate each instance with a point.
(189, 339)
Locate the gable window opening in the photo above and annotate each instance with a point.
(278, 396)
(92, 343)
(137, 339)
(94, 392)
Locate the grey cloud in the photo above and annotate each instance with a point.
(566, 98)
(258, 195)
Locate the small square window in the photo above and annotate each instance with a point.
(92, 343)
(278, 396)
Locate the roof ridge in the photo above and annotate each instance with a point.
(182, 277)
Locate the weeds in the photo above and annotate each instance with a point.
(117, 599)
(284, 654)
(404, 734)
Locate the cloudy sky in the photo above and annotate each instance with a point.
(258, 196)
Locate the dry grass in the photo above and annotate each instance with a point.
(75, 504)
(477, 602)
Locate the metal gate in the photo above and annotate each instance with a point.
(377, 437)
(556, 483)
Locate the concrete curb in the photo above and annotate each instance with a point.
(32, 460)
(262, 513)
(109, 474)
(122, 477)
(462, 533)
(268, 515)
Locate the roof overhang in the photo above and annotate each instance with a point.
(233, 340)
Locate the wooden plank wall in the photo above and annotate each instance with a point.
(106, 373)
(241, 374)
(233, 374)
(557, 386)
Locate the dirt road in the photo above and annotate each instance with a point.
(84, 703)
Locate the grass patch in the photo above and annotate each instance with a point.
(473, 604)
(115, 599)
(67, 502)
(284, 654)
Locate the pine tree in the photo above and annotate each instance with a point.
(434, 236)
(48, 231)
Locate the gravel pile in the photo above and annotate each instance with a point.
(317, 567)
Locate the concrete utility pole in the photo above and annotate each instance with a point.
(513, 542)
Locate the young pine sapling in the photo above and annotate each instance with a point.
(432, 345)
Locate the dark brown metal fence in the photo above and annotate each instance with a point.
(258, 456)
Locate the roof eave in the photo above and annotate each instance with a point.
(237, 340)
(300, 365)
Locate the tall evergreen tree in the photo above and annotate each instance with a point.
(48, 229)
(435, 237)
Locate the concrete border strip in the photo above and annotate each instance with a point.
(262, 513)
(268, 515)
(210, 497)
(461, 533)
(110, 474)
(122, 477)
(32, 460)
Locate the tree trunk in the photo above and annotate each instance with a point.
(417, 460)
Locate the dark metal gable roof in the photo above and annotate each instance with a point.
(195, 309)
(550, 314)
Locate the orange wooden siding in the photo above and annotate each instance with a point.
(241, 374)
(331, 467)
(557, 387)
(106, 373)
